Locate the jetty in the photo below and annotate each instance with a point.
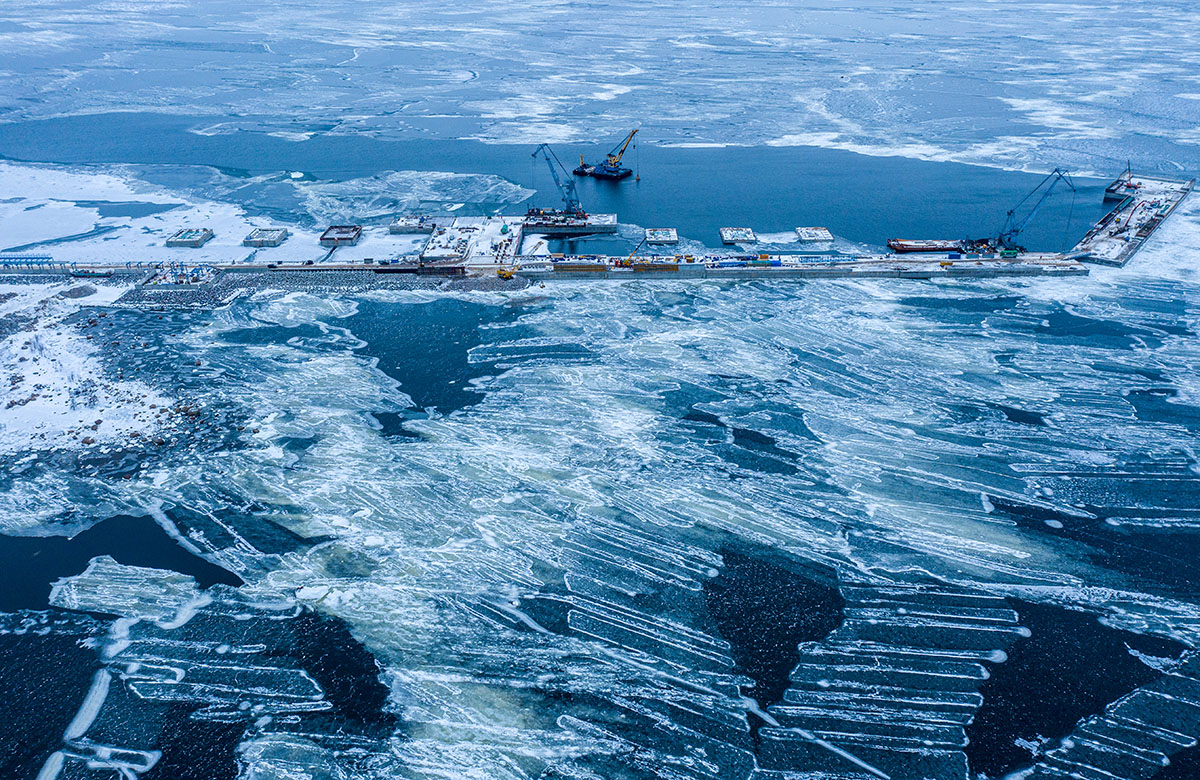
(1143, 204)
(518, 248)
(822, 266)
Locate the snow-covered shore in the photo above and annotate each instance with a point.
(54, 390)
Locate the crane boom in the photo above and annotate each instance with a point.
(629, 259)
(610, 167)
(1012, 227)
(614, 157)
(564, 183)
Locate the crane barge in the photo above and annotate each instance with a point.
(611, 167)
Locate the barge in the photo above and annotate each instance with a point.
(912, 245)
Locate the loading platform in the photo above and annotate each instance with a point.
(552, 222)
(814, 235)
(487, 247)
(1144, 203)
(737, 235)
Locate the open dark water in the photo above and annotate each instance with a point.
(774, 189)
(653, 530)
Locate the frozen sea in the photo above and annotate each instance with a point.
(829, 530)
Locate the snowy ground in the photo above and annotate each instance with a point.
(55, 391)
(36, 218)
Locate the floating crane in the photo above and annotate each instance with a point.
(611, 167)
(1014, 227)
(564, 183)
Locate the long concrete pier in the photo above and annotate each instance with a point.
(869, 267)
(506, 247)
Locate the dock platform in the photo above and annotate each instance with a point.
(551, 223)
(1144, 202)
(814, 235)
(737, 235)
(417, 223)
(476, 240)
(487, 248)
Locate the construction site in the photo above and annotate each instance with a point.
(522, 246)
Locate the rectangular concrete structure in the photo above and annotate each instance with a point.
(417, 223)
(554, 223)
(265, 237)
(341, 235)
(737, 235)
(662, 236)
(192, 238)
(1144, 202)
(480, 241)
(813, 234)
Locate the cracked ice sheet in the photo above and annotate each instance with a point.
(441, 548)
(1040, 84)
(439, 544)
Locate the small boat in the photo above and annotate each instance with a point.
(904, 245)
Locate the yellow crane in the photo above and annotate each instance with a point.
(614, 160)
(611, 167)
(508, 273)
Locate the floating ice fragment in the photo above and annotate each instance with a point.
(106, 586)
(312, 592)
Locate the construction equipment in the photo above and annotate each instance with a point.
(1012, 226)
(611, 167)
(564, 183)
(508, 273)
(629, 260)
